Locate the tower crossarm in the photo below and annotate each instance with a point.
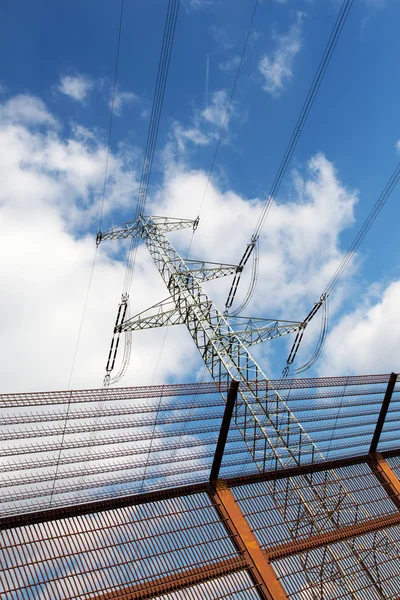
(254, 330)
(133, 228)
(162, 314)
(205, 271)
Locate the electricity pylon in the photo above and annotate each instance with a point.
(271, 432)
(308, 504)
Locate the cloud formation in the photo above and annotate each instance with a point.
(206, 124)
(26, 109)
(230, 64)
(277, 67)
(368, 339)
(299, 245)
(121, 99)
(49, 206)
(76, 86)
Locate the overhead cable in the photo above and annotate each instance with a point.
(373, 214)
(111, 115)
(229, 106)
(95, 254)
(158, 99)
(203, 374)
(379, 204)
(301, 121)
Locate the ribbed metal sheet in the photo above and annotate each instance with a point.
(77, 557)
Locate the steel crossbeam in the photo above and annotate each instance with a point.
(162, 314)
(206, 271)
(154, 588)
(133, 228)
(252, 330)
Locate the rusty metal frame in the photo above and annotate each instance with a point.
(340, 535)
(258, 563)
(251, 558)
(43, 516)
(178, 581)
(386, 477)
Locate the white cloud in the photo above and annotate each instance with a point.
(276, 68)
(368, 339)
(26, 109)
(230, 64)
(50, 195)
(397, 145)
(215, 113)
(122, 98)
(76, 87)
(206, 124)
(299, 245)
(192, 134)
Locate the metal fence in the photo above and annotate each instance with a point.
(324, 530)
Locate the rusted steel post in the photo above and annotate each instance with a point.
(246, 542)
(382, 415)
(386, 476)
(223, 434)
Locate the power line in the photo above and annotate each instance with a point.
(379, 204)
(225, 121)
(369, 221)
(95, 254)
(111, 114)
(158, 99)
(70, 377)
(305, 111)
(223, 127)
(301, 121)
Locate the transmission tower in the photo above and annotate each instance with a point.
(271, 432)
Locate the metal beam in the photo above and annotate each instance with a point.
(227, 358)
(386, 477)
(339, 535)
(66, 512)
(262, 572)
(43, 516)
(223, 434)
(322, 465)
(177, 389)
(53, 514)
(382, 415)
(172, 583)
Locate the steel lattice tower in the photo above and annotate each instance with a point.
(271, 432)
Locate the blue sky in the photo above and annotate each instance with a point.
(57, 71)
